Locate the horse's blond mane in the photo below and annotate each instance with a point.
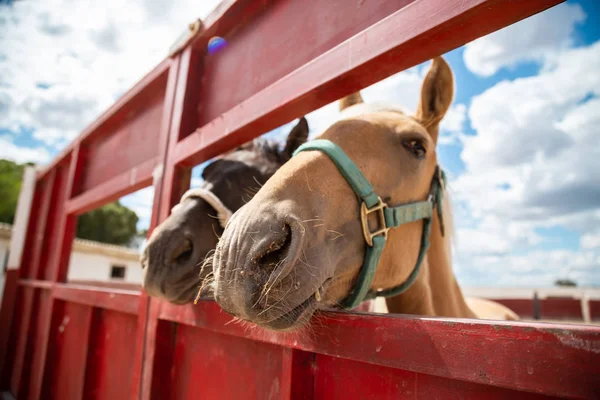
(449, 234)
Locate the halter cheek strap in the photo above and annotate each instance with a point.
(223, 213)
(388, 217)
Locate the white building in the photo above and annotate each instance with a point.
(90, 261)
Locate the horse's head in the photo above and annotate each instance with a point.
(298, 245)
(173, 259)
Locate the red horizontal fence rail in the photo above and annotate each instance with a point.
(284, 58)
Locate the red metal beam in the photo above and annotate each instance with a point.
(174, 181)
(25, 220)
(553, 359)
(32, 270)
(126, 301)
(279, 39)
(22, 333)
(166, 136)
(121, 185)
(67, 352)
(415, 33)
(177, 180)
(65, 232)
(36, 284)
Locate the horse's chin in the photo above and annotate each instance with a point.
(294, 319)
(184, 296)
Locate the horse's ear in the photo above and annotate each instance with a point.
(207, 170)
(297, 136)
(437, 92)
(350, 100)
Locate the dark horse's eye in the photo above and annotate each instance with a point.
(416, 147)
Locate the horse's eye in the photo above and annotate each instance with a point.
(416, 147)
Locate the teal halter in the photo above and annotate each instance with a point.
(388, 217)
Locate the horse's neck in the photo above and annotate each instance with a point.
(435, 292)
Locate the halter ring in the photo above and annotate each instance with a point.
(364, 215)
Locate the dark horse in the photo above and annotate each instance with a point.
(172, 261)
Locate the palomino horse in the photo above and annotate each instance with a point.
(173, 258)
(299, 244)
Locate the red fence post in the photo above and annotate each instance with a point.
(158, 178)
(56, 270)
(17, 244)
(175, 180)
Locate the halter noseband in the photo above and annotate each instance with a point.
(223, 213)
(388, 217)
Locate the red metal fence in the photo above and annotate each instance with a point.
(285, 58)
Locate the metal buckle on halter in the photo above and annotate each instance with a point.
(364, 214)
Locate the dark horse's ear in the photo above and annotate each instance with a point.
(207, 171)
(297, 136)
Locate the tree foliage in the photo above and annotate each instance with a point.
(113, 223)
(10, 185)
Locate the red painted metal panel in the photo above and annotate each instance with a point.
(14, 345)
(338, 378)
(113, 299)
(31, 269)
(67, 351)
(55, 229)
(110, 355)
(594, 310)
(565, 358)
(60, 230)
(151, 343)
(174, 181)
(67, 224)
(164, 338)
(199, 352)
(146, 327)
(405, 38)
(25, 327)
(6, 321)
(37, 218)
(208, 365)
(267, 48)
(19, 244)
(42, 318)
(561, 308)
(523, 307)
(132, 142)
(135, 179)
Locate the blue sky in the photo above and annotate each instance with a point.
(520, 142)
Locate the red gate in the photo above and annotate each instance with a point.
(64, 341)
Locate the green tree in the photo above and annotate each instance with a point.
(10, 184)
(113, 223)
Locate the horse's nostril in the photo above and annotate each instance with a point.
(277, 252)
(183, 252)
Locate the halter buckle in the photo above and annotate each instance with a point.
(364, 215)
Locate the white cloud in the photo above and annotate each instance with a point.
(533, 164)
(533, 269)
(534, 156)
(60, 69)
(10, 151)
(590, 241)
(539, 38)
